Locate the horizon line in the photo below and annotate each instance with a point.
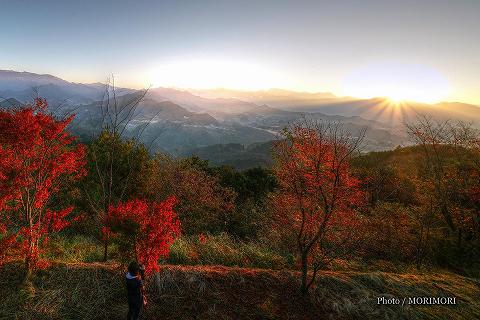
(189, 89)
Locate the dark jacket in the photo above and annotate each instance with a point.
(134, 289)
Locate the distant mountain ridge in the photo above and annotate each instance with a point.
(10, 103)
(24, 86)
(213, 122)
(221, 103)
(378, 109)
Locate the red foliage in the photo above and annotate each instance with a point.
(317, 197)
(36, 154)
(202, 238)
(317, 187)
(151, 228)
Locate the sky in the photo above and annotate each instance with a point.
(422, 49)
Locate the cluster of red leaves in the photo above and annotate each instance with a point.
(202, 238)
(316, 202)
(316, 183)
(152, 227)
(36, 154)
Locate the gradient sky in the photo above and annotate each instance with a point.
(300, 45)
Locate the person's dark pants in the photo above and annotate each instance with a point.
(134, 311)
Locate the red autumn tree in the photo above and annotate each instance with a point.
(37, 155)
(145, 230)
(317, 193)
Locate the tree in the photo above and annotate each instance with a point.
(113, 160)
(389, 231)
(434, 138)
(37, 156)
(203, 204)
(451, 158)
(144, 230)
(317, 194)
(251, 204)
(384, 178)
(114, 166)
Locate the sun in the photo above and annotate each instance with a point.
(397, 82)
(396, 100)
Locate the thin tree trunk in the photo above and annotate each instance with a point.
(105, 241)
(105, 250)
(459, 241)
(28, 272)
(303, 288)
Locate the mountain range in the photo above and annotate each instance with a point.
(222, 125)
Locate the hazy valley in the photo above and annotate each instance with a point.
(224, 126)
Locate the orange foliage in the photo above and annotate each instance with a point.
(317, 195)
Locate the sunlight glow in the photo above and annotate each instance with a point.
(397, 82)
(208, 74)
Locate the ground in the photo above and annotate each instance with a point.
(96, 291)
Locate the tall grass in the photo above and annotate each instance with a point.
(219, 249)
(77, 248)
(224, 250)
(187, 250)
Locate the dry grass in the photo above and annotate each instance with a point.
(96, 291)
(226, 251)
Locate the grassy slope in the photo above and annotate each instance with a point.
(95, 291)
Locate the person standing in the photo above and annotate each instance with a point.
(135, 290)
